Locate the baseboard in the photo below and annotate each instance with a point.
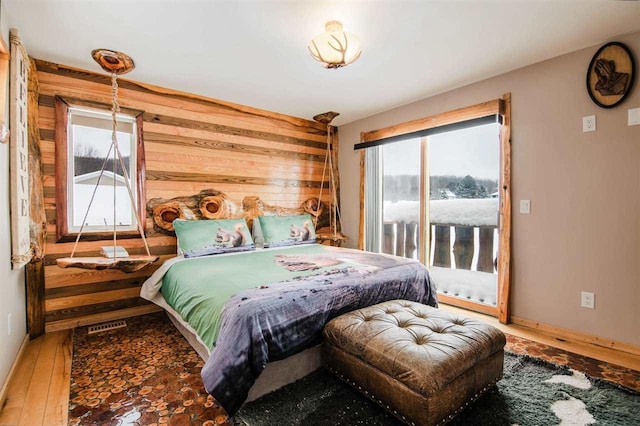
(466, 304)
(98, 318)
(576, 336)
(12, 370)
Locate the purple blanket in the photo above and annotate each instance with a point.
(271, 323)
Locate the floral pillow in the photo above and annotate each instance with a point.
(287, 230)
(206, 237)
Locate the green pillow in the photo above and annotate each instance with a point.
(205, 237)
(287, 230)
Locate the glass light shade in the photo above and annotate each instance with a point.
(335, 48)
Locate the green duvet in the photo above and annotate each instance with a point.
(198, 288)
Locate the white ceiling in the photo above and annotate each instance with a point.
(254, 52)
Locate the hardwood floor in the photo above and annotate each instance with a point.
(600, 353)
(39, 393)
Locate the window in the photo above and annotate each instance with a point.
(83, 141)
(434, 190)
(401, 176)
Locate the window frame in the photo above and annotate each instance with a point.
(63, 233)
(501, 107)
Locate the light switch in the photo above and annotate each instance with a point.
(634, 117)
(525, 206)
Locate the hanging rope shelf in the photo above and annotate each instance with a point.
(125, 264)
(115, 63)
(333, 235)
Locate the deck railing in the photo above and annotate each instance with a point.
(473, 246)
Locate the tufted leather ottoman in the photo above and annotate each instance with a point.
(422, 364)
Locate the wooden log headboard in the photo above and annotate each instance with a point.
(212, 204)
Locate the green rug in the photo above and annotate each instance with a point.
(532, 392)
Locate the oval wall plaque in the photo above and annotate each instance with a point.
(610, 75)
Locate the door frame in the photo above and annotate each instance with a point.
(500, 106)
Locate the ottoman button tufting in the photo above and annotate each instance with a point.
(422, 340)
(377, 360)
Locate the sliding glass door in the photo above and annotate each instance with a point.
(464, 172)
(401, 198)
(438, 189)
(438, 201)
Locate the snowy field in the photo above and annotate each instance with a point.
(481, 287)
(470, 212)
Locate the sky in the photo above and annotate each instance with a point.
(474, 151)
(100, 139)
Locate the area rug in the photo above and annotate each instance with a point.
(532, 392)
(147, 374)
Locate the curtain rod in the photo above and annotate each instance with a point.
(474, 122)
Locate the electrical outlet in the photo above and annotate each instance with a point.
(589, 123)
(634, 117)
(525, 206)
(9, 324)
(588, 300)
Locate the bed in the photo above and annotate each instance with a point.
(256, 316)
(242, 310)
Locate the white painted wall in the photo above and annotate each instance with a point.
(12, 293)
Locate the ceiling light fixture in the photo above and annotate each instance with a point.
(335, 48)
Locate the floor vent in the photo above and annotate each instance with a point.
(106, 326)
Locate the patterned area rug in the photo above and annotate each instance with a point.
(531, 392)
(147, 374)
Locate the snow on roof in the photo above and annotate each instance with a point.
(92, 177)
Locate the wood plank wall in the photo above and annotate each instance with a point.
(191, 143)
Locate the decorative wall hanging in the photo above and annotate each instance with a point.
(19, 154)
(610, 75)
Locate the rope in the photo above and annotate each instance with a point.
(334, 206)
(95, 189)
(117, 156)
(133, 203)
(114, 142)
(335, 198)
(14, 39)
(330, 177)
(324, 168)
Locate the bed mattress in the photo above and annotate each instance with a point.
(247, 309)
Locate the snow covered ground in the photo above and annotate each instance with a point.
(479, 287)
(472, 285)
(470, 212)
